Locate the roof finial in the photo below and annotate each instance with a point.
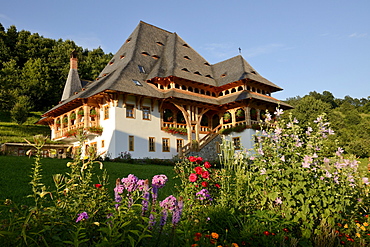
(240, 50)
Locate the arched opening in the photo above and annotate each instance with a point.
(253, 114)
(204, 121)
(227, 117)
(196, 90)
(190, 89)
(240, 88)
(208, 93)
(215, 121)
(183, 87)
(220, 94)
(180, 118)
(167, 115)
(65, 122)
(233, 90)
(227, 92)
(240, 115)
(177, 85)
(262, 115)
(202, 91)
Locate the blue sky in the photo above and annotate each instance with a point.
(301, 46)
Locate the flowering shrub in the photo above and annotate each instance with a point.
(174, 130)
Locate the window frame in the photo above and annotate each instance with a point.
(128, 106)
(237, 146)
(177, 144)
(148, 113)
(106, 112)
(165, 144)
(131, 143)
(151, 144)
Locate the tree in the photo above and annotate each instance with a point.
(308, 108)
(21, 109)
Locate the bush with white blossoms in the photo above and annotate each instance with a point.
(291, 175)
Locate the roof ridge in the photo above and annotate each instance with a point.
(143, 22)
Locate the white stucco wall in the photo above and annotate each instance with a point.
(118, 128)
(246, 138)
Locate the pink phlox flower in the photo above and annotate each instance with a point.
(130, 183)
(295, 121)
(252, 158)
(159, 181)
(169, 203)
(260, 151)
(315, 155)
(328, 174)
(282, 158)
(365, 180)
(331, 132)
(289, 125)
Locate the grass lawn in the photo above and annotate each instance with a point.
(15, 176)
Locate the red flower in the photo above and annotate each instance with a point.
(193, 177)
(207, 165)
(351, 239)
(204, 184)
(199, 160)
(285, 230)
(98, 186)
(192, 159)
(198, 170)
(218, 186)
(266, 233)
(205, 174)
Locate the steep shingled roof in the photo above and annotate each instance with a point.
(151, 52)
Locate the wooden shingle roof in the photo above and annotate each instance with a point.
(151, 52)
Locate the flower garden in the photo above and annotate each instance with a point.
(295, 188)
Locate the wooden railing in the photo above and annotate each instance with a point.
(63, 131)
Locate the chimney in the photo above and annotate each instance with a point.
(73, 60)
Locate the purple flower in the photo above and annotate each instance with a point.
(169, 203)
(82, 216)
(159, 181)
(365, 180)
(260, 151)
(130, 183)
(203, 195)
(176, 215)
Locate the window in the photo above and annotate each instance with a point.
(130, 111)
(165, 144)
(236, 142)
(146, 113)
(151, 144)
(141, 69)
(106, 112)
(102, 143)
(179, 144)
(137, 83)
(130, 143)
